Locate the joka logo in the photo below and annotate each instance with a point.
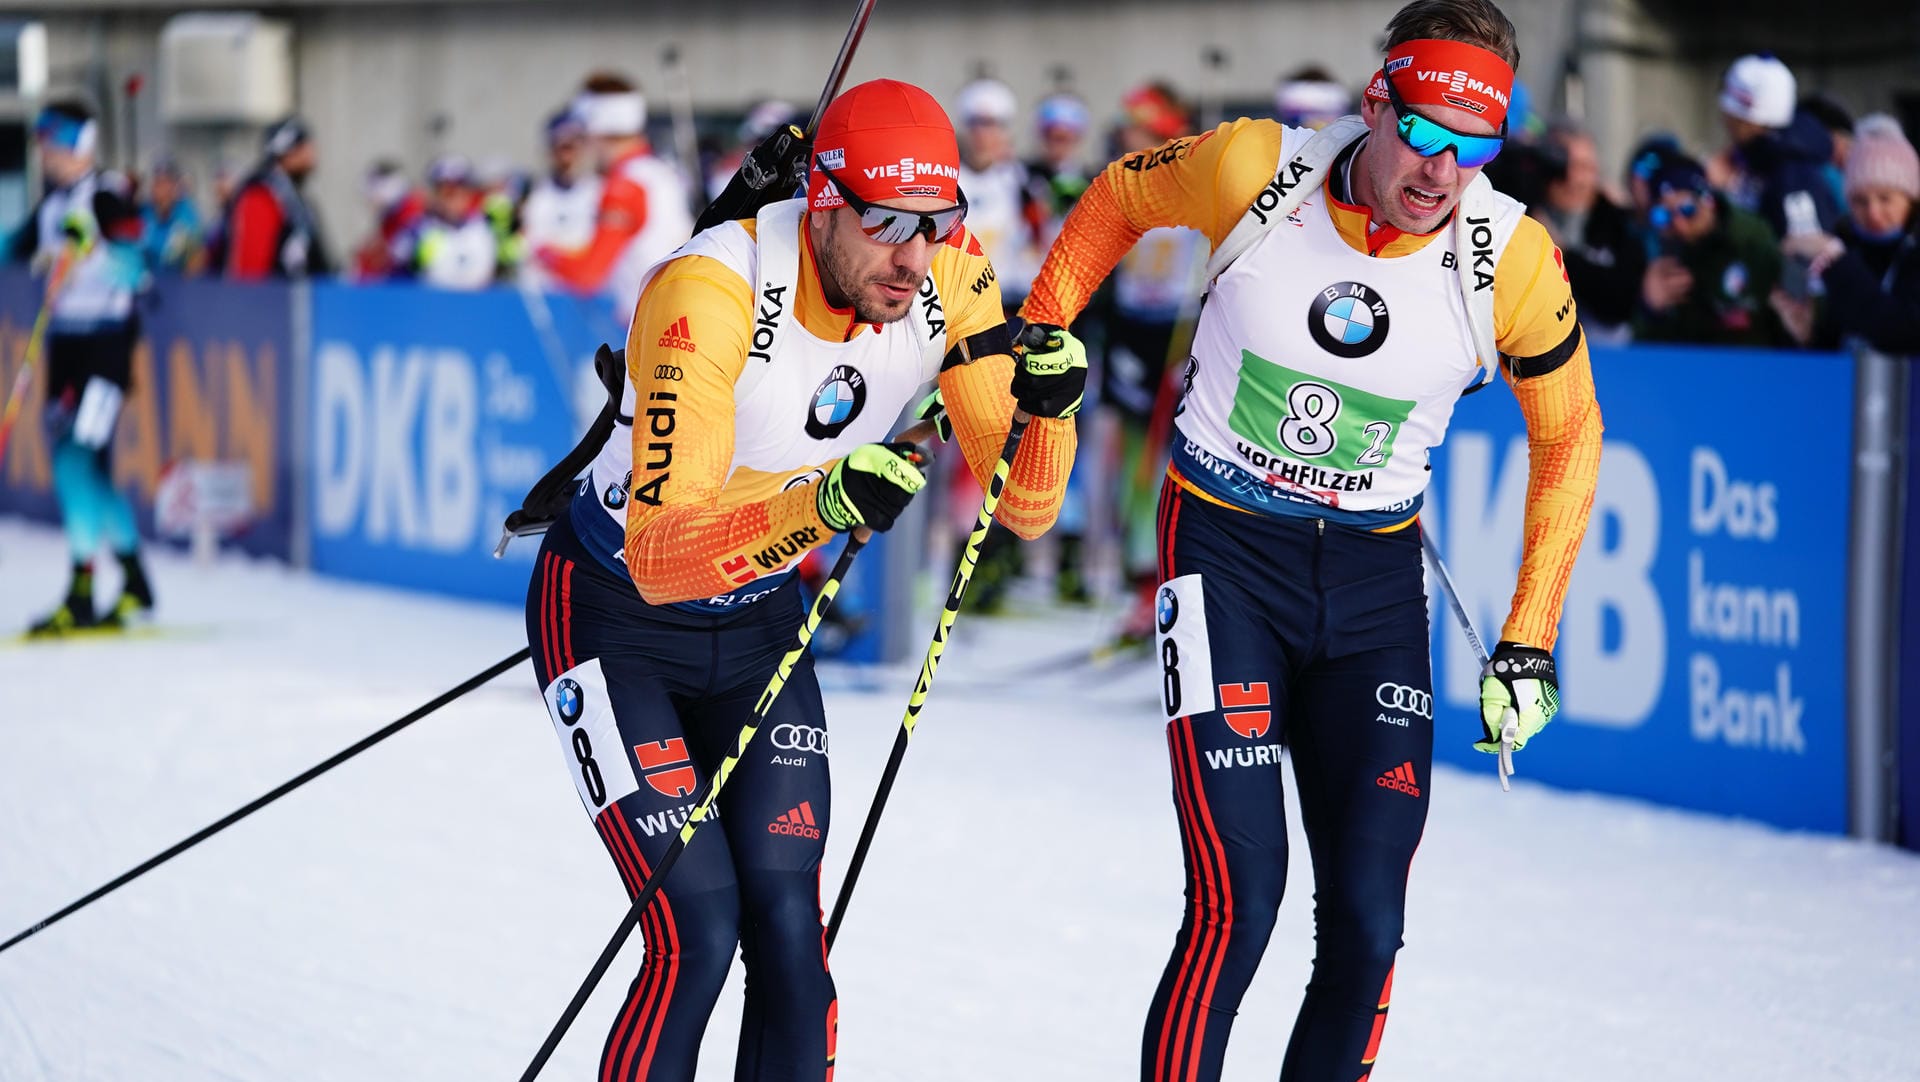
(679, 336)
(798, 823)
(568, 700)
(1252, 724)
(788, 737)
(1400, 779)
(1402, 697)
(1348, 319)
(667, 767)
(1166, 610)
(838, 400)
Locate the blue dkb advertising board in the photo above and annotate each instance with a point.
(1702, 652)
(432, 414)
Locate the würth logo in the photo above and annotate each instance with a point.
(1399, 778)
(798, 822)
(679, 336)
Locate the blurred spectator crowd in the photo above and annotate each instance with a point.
(1799, 231)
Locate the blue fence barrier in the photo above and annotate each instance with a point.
(1703, 647)
(212, 379)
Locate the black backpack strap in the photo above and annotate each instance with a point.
(550, 496)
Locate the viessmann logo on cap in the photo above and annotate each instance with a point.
(907, 170)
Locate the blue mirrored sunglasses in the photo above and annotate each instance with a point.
(1428, 138)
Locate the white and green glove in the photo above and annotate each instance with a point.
(1521, 679)
(1050, 371)
(871, 486)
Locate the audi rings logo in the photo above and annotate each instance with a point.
(1402, 697)
(669, 372)
(800, 738)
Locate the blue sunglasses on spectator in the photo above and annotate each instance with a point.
(1429, 138)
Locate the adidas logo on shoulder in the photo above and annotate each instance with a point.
(798, 822)
(679, 336)
(1400, 779)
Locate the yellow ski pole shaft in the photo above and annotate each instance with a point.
(962, 574)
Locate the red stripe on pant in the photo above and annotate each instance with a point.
(1191, 1032)
(566, 609)
(1166, 1055)
(638, 1030)
(547, 659)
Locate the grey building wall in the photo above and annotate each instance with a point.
(408, 80)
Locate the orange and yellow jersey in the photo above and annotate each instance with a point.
(746, 385)
(1330, 353)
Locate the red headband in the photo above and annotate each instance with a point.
(884, 140)
(1430, 71)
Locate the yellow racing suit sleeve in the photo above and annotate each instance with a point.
(975, 388)
(1544, 355)
(682, 543)
(1204, 182)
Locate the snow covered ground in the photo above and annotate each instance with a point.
(425, 911)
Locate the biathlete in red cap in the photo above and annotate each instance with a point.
(1361, 280)
(767, 360)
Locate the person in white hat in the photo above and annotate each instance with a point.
(1776, 164)
(644, 210)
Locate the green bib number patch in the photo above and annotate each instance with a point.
(1312, 418)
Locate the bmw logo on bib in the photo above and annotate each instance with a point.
(837, 402)
(1348, 319)
(568, 699)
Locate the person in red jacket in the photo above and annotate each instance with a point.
(644, 211)
(271, 230)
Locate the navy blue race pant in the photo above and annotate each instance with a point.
(646, 702)
(1297, 633)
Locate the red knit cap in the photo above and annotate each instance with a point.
(884, 140)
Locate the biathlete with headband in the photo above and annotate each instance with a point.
(767, 361)
(1362, 279)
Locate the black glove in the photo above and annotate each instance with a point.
(1049, 371)
(871, 486)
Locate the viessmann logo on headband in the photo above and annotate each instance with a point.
(1429, 71)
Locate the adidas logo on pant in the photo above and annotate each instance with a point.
(1400, 778)
(798, 822)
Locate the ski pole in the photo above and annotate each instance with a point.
(1509, 721)
(23, 379)
(705, 808)
(962, 574)
(262, 801)
(782, 156)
